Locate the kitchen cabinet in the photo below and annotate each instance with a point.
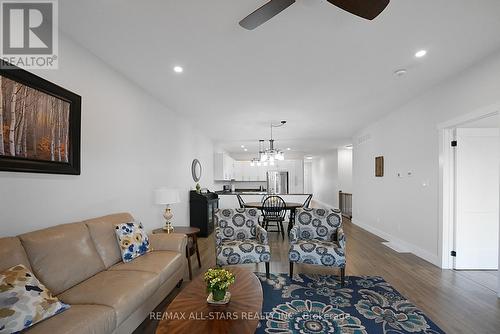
(223, 167)
(262, 173)
(226, 169)
(243, 171)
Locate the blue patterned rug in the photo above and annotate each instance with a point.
(317, 304)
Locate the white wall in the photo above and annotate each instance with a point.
(308, 177)
(131, 144)
(325, 179)
(345, 170)
(404, 209)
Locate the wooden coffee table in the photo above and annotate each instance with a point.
(190, 313)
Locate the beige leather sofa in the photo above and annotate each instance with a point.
(81, 264)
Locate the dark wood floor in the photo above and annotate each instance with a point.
(453, 301)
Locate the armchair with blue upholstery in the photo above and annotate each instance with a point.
(318, 238)
(240, 239)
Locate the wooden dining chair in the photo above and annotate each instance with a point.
(291, 219)
(307, 202)
(241, 201)
(274, 210)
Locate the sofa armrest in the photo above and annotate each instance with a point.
(168, 242)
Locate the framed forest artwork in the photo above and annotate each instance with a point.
(39, 123)
(379, 166)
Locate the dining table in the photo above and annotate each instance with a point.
(289, 206)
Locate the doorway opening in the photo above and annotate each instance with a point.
(470, 198)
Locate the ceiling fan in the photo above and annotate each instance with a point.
(368, 9)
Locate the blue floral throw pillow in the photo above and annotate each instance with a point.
(133, 240)
(24, 301)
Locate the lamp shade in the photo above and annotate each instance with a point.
(167, 196)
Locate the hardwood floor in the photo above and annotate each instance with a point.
(486, 278)
(453, 301)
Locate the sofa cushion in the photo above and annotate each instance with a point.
(133, 240)
(12, 253)
(124, 291)
(62, 256)
(163, 263)
(102, 231)
(24, 301)
(79, 319)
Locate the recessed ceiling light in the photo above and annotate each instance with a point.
(242, 146)
(288, 148)
(420, 53)
(400, 72)
(309, 158)
(246, 149)
(178, 69)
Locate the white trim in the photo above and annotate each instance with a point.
(446, 198)
(401, 244)
(481, 113)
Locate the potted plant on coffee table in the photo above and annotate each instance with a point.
(218, 280)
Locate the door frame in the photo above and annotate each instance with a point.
(446, 185)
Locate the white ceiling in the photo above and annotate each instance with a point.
(327, 72)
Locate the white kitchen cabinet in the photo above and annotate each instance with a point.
(253, 172)
(223, 167)
(247, 171)
(227, 169)
(243, 171)
(238, 170)
(262, 173)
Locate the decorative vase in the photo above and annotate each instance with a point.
(218, 295)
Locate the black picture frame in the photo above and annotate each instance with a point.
(73, 166)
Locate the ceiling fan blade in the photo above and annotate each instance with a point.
(368, 9)
(265, 13)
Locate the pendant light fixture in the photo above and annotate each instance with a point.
(271, 154)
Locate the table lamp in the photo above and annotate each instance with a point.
(167, 196)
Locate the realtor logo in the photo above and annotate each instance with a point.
(29, 33)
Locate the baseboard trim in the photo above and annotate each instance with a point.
(401, 244)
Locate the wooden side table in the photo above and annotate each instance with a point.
(192, 244)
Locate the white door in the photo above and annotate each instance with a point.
(476, 229)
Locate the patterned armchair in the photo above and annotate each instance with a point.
(318, 238)
(240, 239)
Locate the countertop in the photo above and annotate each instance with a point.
(251, 193)
(242, 192)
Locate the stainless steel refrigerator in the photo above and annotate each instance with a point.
(277, 182)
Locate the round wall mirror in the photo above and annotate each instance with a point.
(196, 170)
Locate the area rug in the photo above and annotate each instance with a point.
(313, 304)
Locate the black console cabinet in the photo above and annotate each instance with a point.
(202, 210)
